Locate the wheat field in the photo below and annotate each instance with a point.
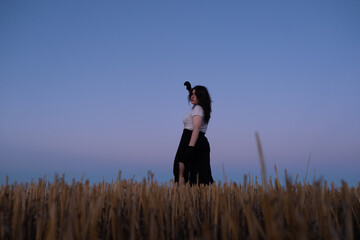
(128, 209)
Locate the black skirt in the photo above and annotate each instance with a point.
(198, 170)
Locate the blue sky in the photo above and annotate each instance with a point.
(90, 88)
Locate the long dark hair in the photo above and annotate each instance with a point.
(203, 96)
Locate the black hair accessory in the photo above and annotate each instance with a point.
(188, 86)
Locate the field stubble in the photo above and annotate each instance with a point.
(126, 209)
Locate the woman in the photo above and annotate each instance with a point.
(192, 160)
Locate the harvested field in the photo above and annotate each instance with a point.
(125, 209)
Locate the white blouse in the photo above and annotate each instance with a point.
(188, 123)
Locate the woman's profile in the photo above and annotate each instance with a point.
(192, 159)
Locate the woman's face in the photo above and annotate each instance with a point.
(193, 98)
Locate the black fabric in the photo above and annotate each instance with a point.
(189, 155)
(196, 160)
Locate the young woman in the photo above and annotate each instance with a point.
(192, 160)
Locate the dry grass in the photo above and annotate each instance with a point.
(125, 209)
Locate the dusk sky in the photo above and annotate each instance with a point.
(93, 87)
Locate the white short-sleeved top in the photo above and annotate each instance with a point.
(188, 123)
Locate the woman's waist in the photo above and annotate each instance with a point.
(189, 132)
(201, 142)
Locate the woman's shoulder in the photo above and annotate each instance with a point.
(197, 110)
(198, 107)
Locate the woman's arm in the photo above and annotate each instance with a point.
(195, 134)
